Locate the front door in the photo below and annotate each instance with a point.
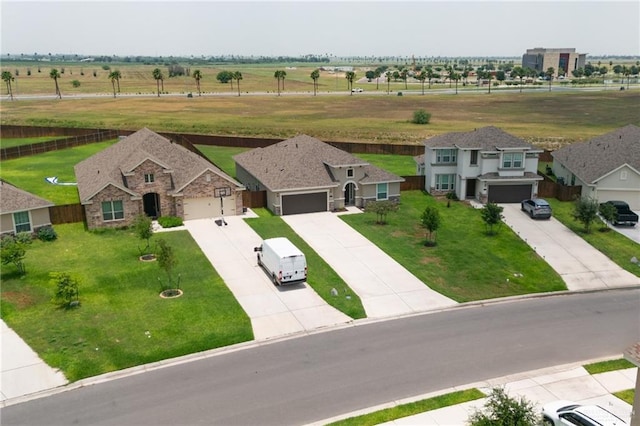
(151, 203)
(350, 194)
(471, 188)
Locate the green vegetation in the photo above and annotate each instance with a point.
(466, 264)
(222, 156)
(321, 277)
(11, 142)
(615, 246)
(412, 408)
(122, 321)
(29, 173)
(626, 395)
(401, 165)
(611, 365)
(503, 410)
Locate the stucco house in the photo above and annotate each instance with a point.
(21, 211)
(304, 175)
(607, 167)
(147, 173)
(487, 164)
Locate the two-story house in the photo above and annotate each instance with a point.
(486, 164)
(304, 175)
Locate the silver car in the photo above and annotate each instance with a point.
(568, 413)
(536, 208)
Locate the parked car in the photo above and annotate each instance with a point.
(562, 413)
(536, 208)
(624, 215)
(356, 90)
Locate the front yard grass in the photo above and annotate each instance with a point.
(614, 245)
(121, 321)
(605, 366)
(466, 264)
(322, 278)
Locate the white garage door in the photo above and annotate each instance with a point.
(202, 208)
(630, 197)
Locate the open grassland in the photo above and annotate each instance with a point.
(546, 119)
(122, 321)
(466, 264)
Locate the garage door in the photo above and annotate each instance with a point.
(201, 208)
(509, 193)
(304, 203)
(630, 197)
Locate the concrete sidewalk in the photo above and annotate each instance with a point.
(385, 287)
(570, 382)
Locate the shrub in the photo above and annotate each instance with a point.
(421, 117)
(66, 294)
(24, 237)
(75, 83)
(47, 233)
(451, 195)
(500, 409)
(170, 221)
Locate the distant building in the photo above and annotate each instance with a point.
(541, 60)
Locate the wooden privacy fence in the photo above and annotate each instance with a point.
(550, 189)
(67, 213)
(254, 199)
(56, 144)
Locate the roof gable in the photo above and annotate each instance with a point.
(597, 157)
(13, 199)
(485, 138)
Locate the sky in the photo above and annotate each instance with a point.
(339, 28)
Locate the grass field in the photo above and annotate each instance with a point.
(11, 142)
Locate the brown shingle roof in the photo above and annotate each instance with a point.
(108, 166)
(14, 199)
(301, 162)
(597, 157)
(486, 138)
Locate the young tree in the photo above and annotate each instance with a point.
(381, 209)
(431, 221)
(585, 210)
(143, 227)
(315, 75)
(13, 251)
(7, 77)
(55, 75)
(167, 261)
(502, 410)
(491, 215)
(197, 75)
(608, 213)
(66, 293)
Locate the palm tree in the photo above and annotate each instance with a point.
(549, 73)
(455, 76)
(431, 74)
(118, 76)
(238, 76)
(55, 75)
(520, 73)
(377, 73)
(283, 74)
(113, 78)
(350, 76)
(315, 75)
(7, 77)
(197, 75)
(279, 75)
(157, 75)
(422, 77)
(388, 75)
(404, 74)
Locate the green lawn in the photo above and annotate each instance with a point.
(29, 173)
(626, 395)
(122, 321)
(11, 142)
(617, 247)
(321, 277)
(605, 366)
(401, 165)
(466, 264)
(222, 156)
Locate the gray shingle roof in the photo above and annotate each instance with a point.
(111, 164)
(597, 157)
(14, 199)
(486, 138)
(301, 162)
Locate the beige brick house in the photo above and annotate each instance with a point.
(147, 173)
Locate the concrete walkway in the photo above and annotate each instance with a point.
(274, 311)
(23, 372)
(568, 382)
(385, 288)
(581, 266)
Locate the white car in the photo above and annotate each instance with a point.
(569, 413)
(356, 90)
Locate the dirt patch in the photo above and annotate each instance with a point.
(19, 299)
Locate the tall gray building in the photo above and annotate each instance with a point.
(541, 59)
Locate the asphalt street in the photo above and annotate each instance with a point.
(307, 379)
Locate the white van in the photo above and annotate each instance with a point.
(282, 261)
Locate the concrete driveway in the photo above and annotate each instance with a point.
(274, 311)
(385, 287)
(631, 232)
(580, 265)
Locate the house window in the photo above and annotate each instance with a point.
(22, 222)
(512, 160)
(445, 156)
(112, 210)
(148, 178)
(382, 191)
(349, 173)
(445, 182)
(474, 158)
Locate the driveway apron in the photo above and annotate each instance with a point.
(274, 311)
(580, 265)
(385, 287)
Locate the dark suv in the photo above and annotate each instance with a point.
(536, 207)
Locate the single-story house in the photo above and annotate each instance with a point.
(304, 175)
(607, 166)
(487, 164)
(21, 211)
(147, 173)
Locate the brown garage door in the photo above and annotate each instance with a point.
(304, 203)
(509, 193)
